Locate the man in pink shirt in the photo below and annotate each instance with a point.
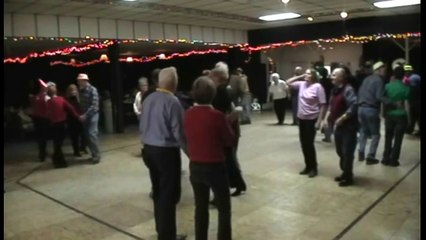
(310, 112)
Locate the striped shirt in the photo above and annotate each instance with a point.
(89, 100)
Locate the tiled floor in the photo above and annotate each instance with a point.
(109, 201)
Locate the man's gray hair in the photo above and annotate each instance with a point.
(167, 77)
(221, 69)
(143, 80)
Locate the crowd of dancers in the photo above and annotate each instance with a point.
(208, 129)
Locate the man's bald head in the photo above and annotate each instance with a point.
(338, 76)
(298, 71)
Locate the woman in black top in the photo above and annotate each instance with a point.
(75, 126)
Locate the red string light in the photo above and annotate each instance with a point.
(140, 60)
(244, 47)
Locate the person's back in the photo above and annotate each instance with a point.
(206, 130)
(157, 111)
(208, 133)
(369, 93)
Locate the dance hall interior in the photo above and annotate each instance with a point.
(211, 119)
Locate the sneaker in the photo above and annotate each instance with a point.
(372, 161)
(361, 157)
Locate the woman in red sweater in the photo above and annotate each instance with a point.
(57, 109)
(208, 132)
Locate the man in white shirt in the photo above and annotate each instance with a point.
(279, 91)
(143, 87)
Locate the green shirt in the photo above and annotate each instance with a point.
(397, 91)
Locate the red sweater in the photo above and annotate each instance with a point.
(208, 133)
(39, 104)
(58, 108)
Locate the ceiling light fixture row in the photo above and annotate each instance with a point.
(343, 14)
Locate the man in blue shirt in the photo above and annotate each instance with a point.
(89, 100)
(161, 131)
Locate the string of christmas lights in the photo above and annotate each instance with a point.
(244, 47)
(347, 38)
(104, 58)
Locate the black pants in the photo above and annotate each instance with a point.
(395, 127)
(307, 136)
(279, 107)
(76, 133)
(149, 166)
(345, 139)
(165, 170)
(41, 127)
(414, 115)
(203, 178)
(233, 167)
(58, 135)
(294, 106)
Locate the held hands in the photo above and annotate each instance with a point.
(317, 125)
(324, 124)
(233, 116)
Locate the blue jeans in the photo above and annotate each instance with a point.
(91, 134)
(369, 120)
(345, 141)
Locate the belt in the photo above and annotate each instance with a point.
(368, 106)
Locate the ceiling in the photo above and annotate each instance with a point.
(233, 14)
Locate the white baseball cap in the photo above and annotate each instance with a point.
(378, 65)
(82, 76)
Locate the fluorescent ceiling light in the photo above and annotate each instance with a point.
(396, 3)
(281, 16)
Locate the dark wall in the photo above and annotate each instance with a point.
(21, 79)
(357, 27)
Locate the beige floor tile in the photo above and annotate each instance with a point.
(279, 203)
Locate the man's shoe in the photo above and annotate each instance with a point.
(385, 162)
(95, 160)
(237, 192)
(77, 154)
(313, 173)
(338, 179)
(394, 164)
(361, 157)
(326, 140)
(346, 182)
(304, 172)
(181, 237)
(372, 161)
